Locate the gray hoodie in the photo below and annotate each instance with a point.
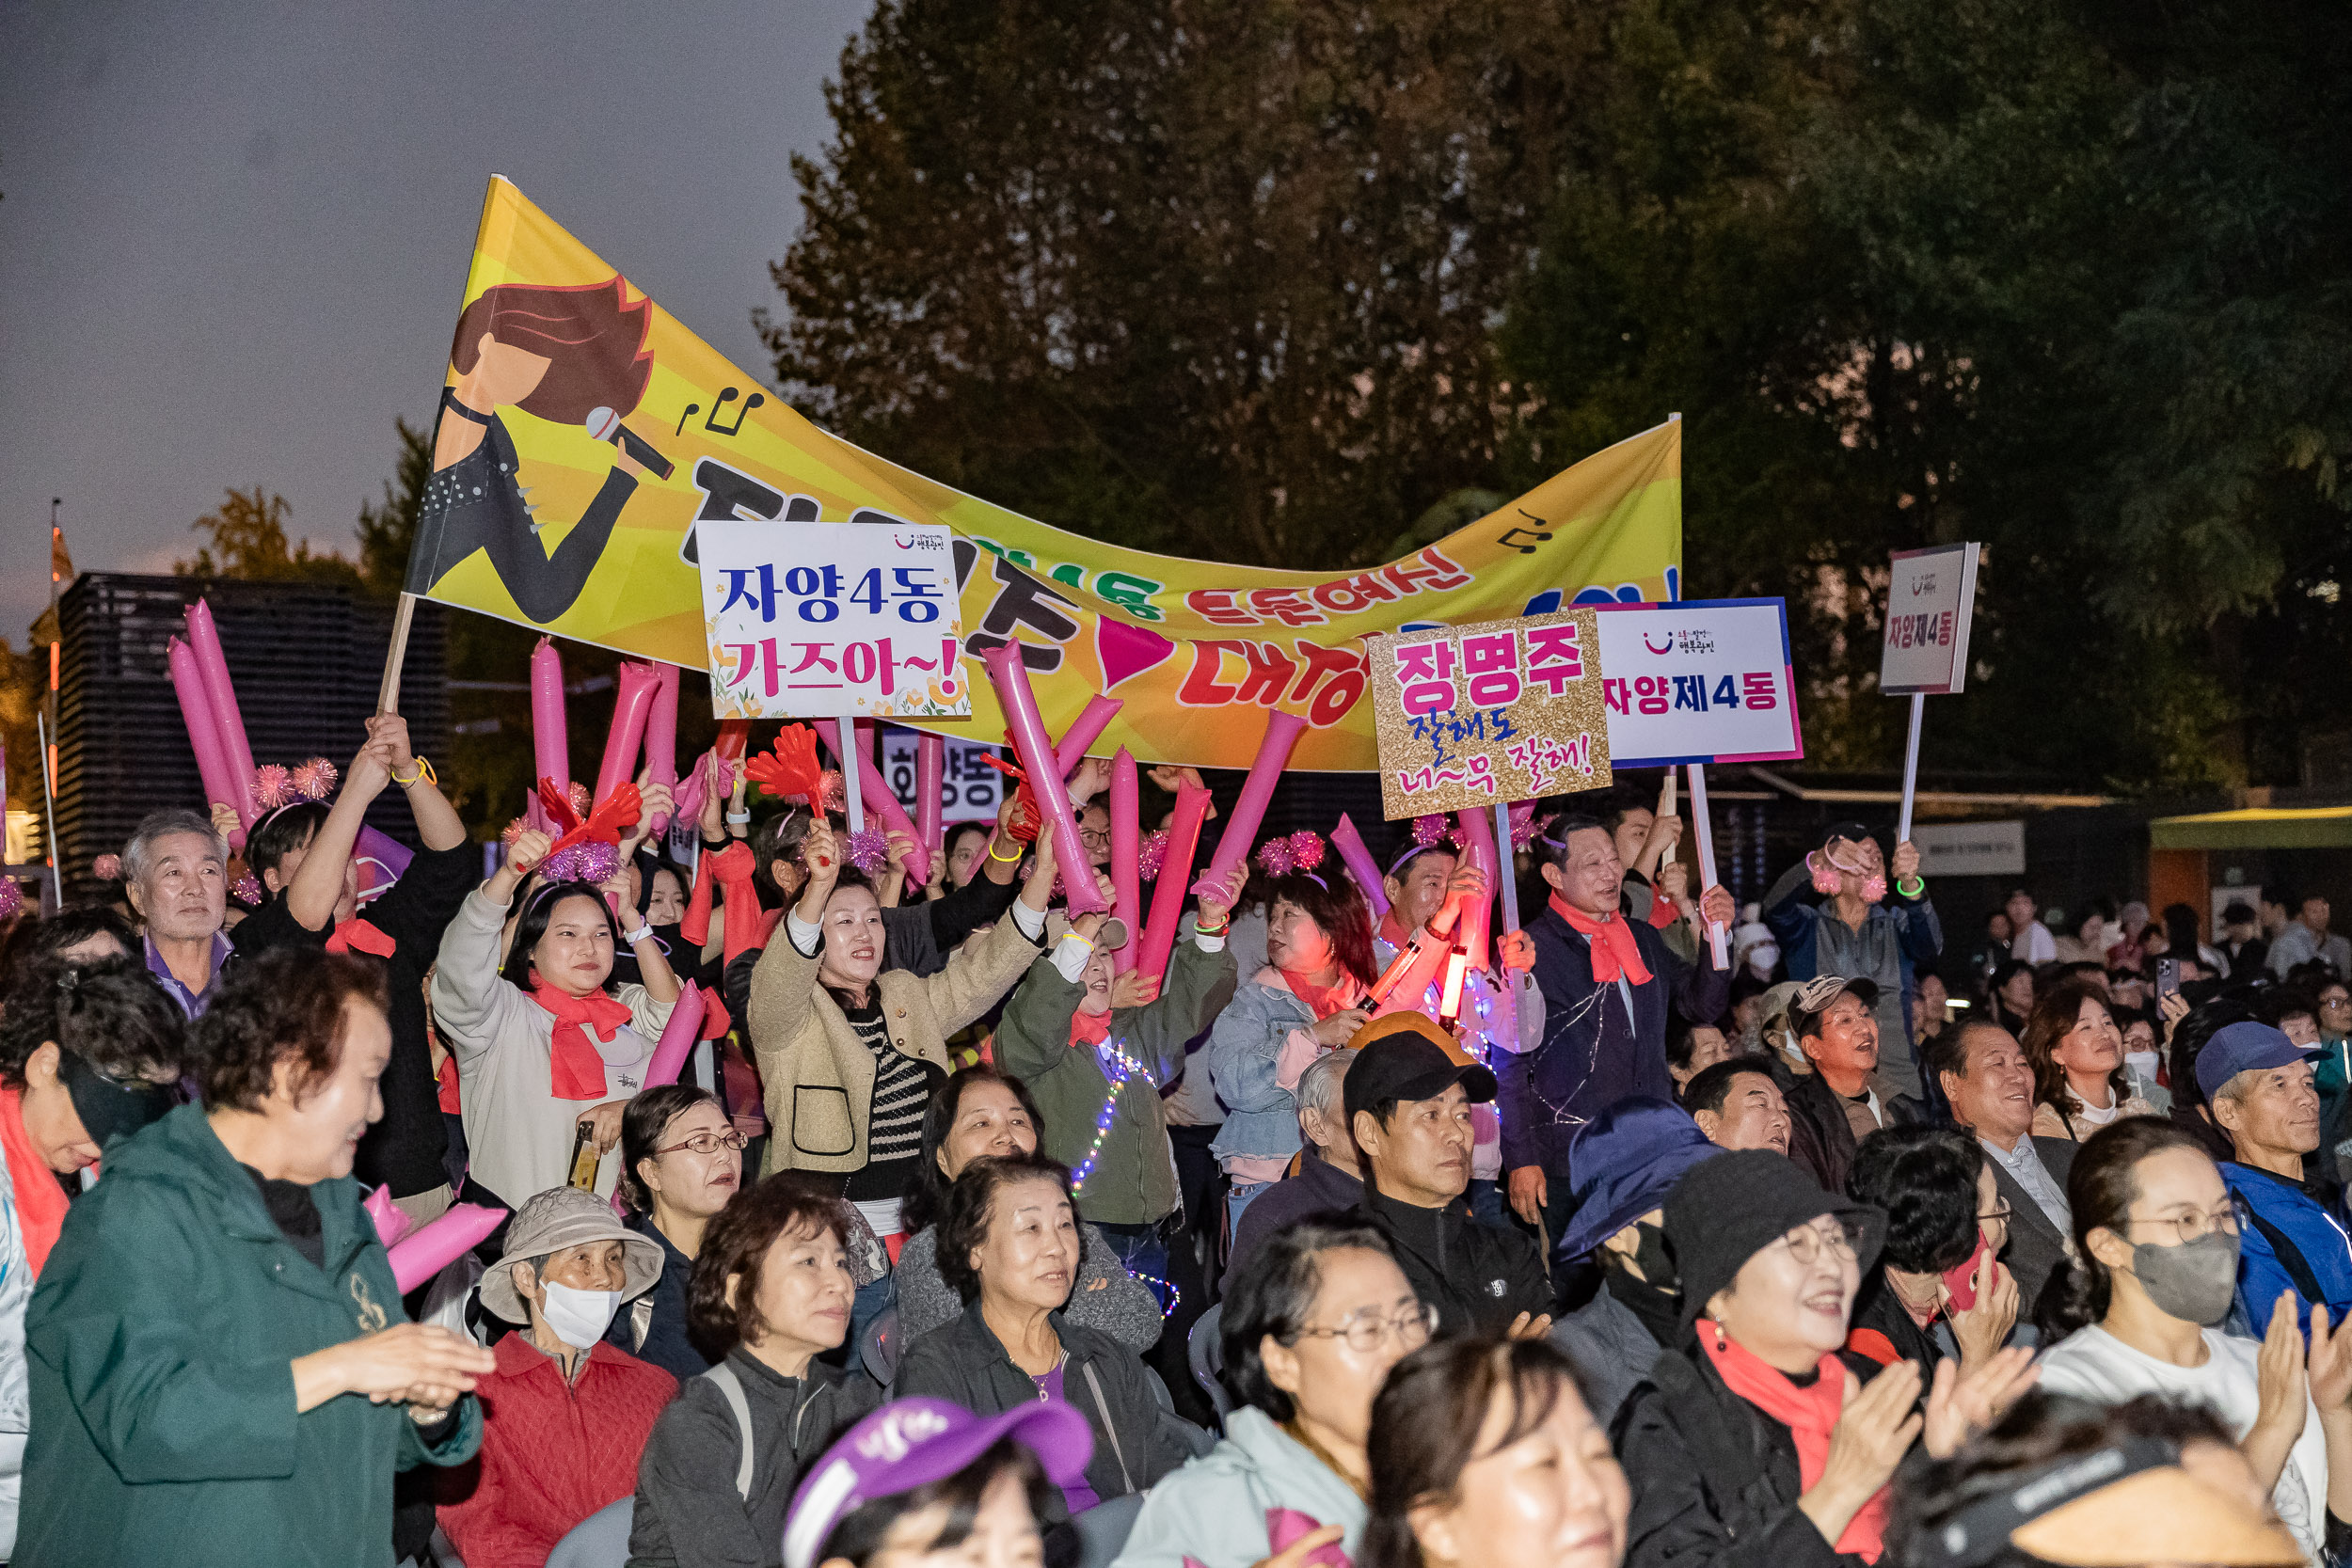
(1213, 1510)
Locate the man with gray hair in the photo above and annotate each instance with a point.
(1329, 1174)
(175, 869)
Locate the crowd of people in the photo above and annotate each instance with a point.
(955, 1235)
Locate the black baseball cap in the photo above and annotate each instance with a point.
(1407, 1056)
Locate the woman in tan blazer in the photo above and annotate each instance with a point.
(850, 1053)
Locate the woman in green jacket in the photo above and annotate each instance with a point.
(1097, 1069)
(221, 1371)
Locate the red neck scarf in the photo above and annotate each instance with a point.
(1614, 951)
(1809, 1413)
(1322, 1000)
(40, 1202)
(1089, 1029)
(576, 1071)
(356, 936)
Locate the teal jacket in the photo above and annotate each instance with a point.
(161, 1340)
(1133, 1178)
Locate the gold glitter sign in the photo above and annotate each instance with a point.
(1502, 710)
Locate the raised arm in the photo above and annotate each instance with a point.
(318, 885)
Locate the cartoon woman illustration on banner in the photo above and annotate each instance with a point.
(571, 356)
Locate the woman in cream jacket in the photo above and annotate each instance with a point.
(850, 1053)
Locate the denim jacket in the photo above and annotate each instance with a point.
(1244, 1049)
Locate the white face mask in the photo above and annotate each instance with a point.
(2143, 1064)
(1762, 958)
(579, 1318)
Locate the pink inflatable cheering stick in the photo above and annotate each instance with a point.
(661, 742)
(1477, 923)
(631, 706)
(930, 768)
(875, 791)
(391, 1223)
(1361, 866)
(430, 1248)
(1241, 829)
(1168, 894)
(550, 745)
(1127, 844)
(195, 709)
(204, 642)
(1096, 716)
(1012, 680)
(678, 1037)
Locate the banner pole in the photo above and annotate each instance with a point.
(847, 752)
(1507, 872)
(388, 695)
(1704, 829)
(1911, 767)
(49, 803)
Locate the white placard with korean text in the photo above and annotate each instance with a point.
(1705, 681)
(830, 621)
(1930, 599)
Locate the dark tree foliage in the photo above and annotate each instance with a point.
(1273, 282)
(1216, 279)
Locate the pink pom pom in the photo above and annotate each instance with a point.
(107, 868)
(1306, 849)
(591, 860)
(1429, 831)
(833, 792)
(314, 780)
(273, 787)
(1150, 855)
(247, 890)
(577, 794)
(869, 850)
(11, 898)
(1274, 857)
(513, 831)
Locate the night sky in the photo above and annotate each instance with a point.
(233, 237)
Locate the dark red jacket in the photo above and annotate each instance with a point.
(551, 1454)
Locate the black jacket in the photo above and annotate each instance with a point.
(404, 1150)
(2036, 1245)
(1135, 1443)
(663, 1308)
(1718, 1478)
(1477, 1276)
(1319, 1187)
(688, 1510)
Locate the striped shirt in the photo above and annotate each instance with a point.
(902, 1092)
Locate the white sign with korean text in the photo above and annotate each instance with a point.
(1930, 599)
(1705, 681)
(969, 789)
(830, 621)
(1971, 849)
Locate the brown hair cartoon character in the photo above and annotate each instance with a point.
(573, 355)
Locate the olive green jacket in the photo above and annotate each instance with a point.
(1133, 1181)
(161, 1340)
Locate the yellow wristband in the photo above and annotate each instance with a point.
(424, 771)
(1007, 860)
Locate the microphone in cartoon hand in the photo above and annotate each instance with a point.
(604, 425)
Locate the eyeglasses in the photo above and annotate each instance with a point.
(1805, 1243)
(707, 1144)
(2002, 1213)
(2327, 1001)
(2194, 1226)
(1364, 1334)
(1094, 838)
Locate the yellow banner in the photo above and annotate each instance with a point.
(584, 431)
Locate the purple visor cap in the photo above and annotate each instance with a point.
(913, 1442)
